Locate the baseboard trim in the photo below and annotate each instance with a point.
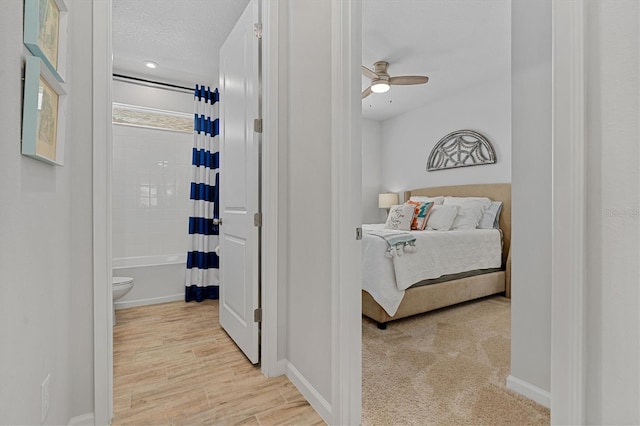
(309, 392)
(530, 391)
(150, 301)
(82, 420)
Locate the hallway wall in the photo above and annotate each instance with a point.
(531, 195)
(613, 212)
(46, 308)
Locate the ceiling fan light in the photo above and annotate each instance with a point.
(380, 87)
(150, 64)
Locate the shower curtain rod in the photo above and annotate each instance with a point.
(145, 82)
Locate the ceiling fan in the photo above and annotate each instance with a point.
(381, 81)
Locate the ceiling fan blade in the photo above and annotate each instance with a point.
(408, 79)
(367, 72)
(366, 92)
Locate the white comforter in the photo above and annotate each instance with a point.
(437, 253)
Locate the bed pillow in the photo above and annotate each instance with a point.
(400, 217)
(420, 214)
(460, 200)
(469, 214)
(491, 217)
(422, 199)
(441, 217)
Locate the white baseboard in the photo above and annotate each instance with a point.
(530, 391)
(151, 301)
(309, 392)
(82, 420)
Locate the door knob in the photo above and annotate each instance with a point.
(217, 221)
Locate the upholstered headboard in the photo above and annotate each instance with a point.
(494, 191)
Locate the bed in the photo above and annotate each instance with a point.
(425, 296)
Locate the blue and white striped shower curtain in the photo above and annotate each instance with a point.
(203, 279)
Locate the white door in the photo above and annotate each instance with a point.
(239, 197)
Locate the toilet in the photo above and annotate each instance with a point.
(120, 286)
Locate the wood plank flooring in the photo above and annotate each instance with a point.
(174, 365)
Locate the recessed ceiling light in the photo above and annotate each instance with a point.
(151, 64)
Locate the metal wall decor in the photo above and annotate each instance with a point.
(461, 148)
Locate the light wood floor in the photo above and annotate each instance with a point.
(174, 365)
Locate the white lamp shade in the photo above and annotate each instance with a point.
(387, 200)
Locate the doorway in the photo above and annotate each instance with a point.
(103, 337)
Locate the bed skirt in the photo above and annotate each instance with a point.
(422, 299)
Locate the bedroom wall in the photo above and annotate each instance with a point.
(613, 212)
(408, 139)
(531, 197)
(46, 274)
(371, 171)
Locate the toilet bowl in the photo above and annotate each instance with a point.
(120, 286)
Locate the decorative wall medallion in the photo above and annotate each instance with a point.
(461, 148)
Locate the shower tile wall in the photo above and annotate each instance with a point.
(151, 184)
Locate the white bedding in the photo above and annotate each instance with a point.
(437, 253)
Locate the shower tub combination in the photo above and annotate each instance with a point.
(158, 279)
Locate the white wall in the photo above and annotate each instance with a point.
(151, 97)
(150, 200)
(408, 139)
(531, 194)
(613, 211)
(151, 187)
(46, 308)
(371, 171)
(309, 194)
(79, 133)
(283, 180)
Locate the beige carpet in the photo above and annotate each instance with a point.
(448, 367)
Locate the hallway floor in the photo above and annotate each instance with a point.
(174, 365)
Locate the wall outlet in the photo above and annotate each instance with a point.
(44, 398)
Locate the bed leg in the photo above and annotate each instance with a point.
(382, 325)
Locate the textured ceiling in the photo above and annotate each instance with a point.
(182, 36)
(457, 43)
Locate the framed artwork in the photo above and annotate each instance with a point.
(45, 33)
(44, 114)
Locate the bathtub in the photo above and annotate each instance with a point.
(157, 279)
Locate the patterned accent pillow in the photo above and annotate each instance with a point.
(420, 215)
(400, 217)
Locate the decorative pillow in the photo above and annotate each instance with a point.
(491, 217)
(400, 217)
(421, 199)
(420, 214)
(441, 217)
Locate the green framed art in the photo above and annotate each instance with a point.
(44, 114)
(45, 33)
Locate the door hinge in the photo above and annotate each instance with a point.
(257, 315)
(257, 220)
(257, 29)
(257, 125)
(358, 234)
